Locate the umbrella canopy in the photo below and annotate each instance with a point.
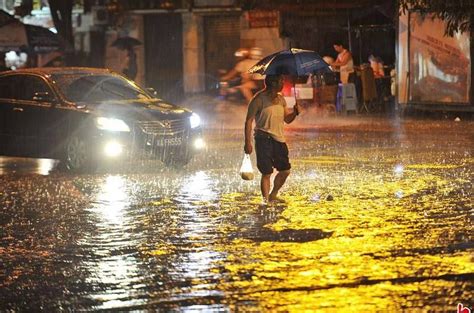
(16, 36)
(295, 62)
(126, 43)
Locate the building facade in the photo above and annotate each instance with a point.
(186, 44)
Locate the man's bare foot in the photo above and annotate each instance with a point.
(274, 198)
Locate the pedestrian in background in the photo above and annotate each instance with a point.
(131, 68)
(376, 64)
(344, 62)
(3, 62)
(269, 111)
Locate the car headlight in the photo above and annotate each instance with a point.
(194, 120)
(199, 143)
(112, 124)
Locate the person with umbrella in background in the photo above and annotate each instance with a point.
(128, 44)
(269, 111)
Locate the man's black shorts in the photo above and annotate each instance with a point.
(271, 154)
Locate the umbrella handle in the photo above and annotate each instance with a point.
(294, 90)
(295, 108)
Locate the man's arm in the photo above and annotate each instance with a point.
(251, 112)
(344, 59)
(248, 148)
(290, 115)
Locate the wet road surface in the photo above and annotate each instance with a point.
(377, 215)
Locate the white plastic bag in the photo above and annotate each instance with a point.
(246, 170)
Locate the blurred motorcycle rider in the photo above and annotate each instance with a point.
(233, 75)
(249, 82)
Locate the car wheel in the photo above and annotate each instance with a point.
(78, 157)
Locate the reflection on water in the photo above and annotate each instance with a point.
(372, 258)
(198, 187)
(196, 194)
(25, 165)
(112, 265)
(125, 244)
(45, 166)
(113, 200)
(371, 221)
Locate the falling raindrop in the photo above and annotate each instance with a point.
(398, 170)
(315, 198)
(399, 194)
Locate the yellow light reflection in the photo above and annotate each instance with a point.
(378, 256)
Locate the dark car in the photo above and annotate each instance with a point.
(83, 115)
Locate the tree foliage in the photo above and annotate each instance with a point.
(458, 14)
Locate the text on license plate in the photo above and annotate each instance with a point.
(175, 141)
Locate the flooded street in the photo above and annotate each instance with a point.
(377, 215)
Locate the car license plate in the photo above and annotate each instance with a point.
(174, 141)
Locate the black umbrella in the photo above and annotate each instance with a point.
(126, 43)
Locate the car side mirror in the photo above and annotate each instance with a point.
(152, 91)
(43, 96)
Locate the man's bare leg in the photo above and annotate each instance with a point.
(280, 179)
(265, 186)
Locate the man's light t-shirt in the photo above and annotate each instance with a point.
(269, 114)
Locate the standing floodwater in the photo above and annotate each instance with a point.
(377, 215)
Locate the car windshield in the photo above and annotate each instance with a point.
(97, 87)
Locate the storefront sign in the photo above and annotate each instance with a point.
(213, 3)
(440, 66)
(259, 19)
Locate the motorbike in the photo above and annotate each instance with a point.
(229, 90)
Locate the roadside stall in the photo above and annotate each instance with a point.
(317, 91)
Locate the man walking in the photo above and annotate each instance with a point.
(269, 111)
